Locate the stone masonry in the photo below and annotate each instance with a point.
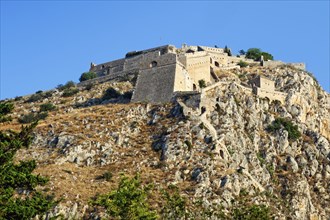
(166, 70)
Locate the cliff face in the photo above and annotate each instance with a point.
(231, 157)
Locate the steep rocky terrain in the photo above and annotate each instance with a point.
(222, 162)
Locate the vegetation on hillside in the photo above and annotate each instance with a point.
(278, 123)
(5, 109)
(256, 53)
(87, 76)
(18, 197)
(128, 201)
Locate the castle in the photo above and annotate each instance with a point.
(165, 70)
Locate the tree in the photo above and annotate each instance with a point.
(241, 63)
(267, 56)
(242, 52)
(256, 53)
(253, 53)
(87, 76)
(128, 201)
(227, 50)
(15, 176)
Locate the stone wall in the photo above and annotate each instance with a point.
(155, 85)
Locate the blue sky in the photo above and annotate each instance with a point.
(46, 43)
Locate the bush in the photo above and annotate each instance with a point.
(201, 83)
(175, 207)
(5, 109)
(39, 96)
(31, 117)
(253, 212)
(67, 85)
(278, 123)
(87, 76)
(111, 93)
(242, 64)
(47, 107)
(70, 92)
(19, 175)
(128, 201)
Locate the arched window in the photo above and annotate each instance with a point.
(153, 64)
(211, 61)
(194, 87)
(216, 64)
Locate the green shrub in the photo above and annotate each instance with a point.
(253, 212)
(175, 206)
(278, 123)
(67, 85)
(128, 201)
(189, 145)
(32, 117)
(5, 109)
(19, 175)
(70, 92)
(201, 83)
(110, 93)
(47, 107)
(106, 176)
(39, 96)
(87, 76)
(241, 63)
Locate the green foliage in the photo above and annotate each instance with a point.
(175, 206)
(110, 93)
(39, 95)
(32, 117)
(278, 123)
(267, 56)
(253, 53)
(252, 212)
(5, 109)
(256, 53)
(14, 176)
(241, 63)
(106, 176)
(70, 92)
(87, 76)
(227, 50)
(67, 85)
(47, 107)
(242, 52)
(201, 83)
(128, 201)
(189, 145)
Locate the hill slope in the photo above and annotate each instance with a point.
(243, 154)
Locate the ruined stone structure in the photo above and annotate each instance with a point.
(165, 70)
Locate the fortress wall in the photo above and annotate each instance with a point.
(222, 59)
(155, 85)
(183, 82)
(272, 63)
(133, 62)
(262, 93)
(161, 60)
(199, 68)
(301, 66)
(212, 49)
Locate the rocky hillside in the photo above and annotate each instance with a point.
(245, 157)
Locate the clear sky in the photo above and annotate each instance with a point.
(46, 43)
